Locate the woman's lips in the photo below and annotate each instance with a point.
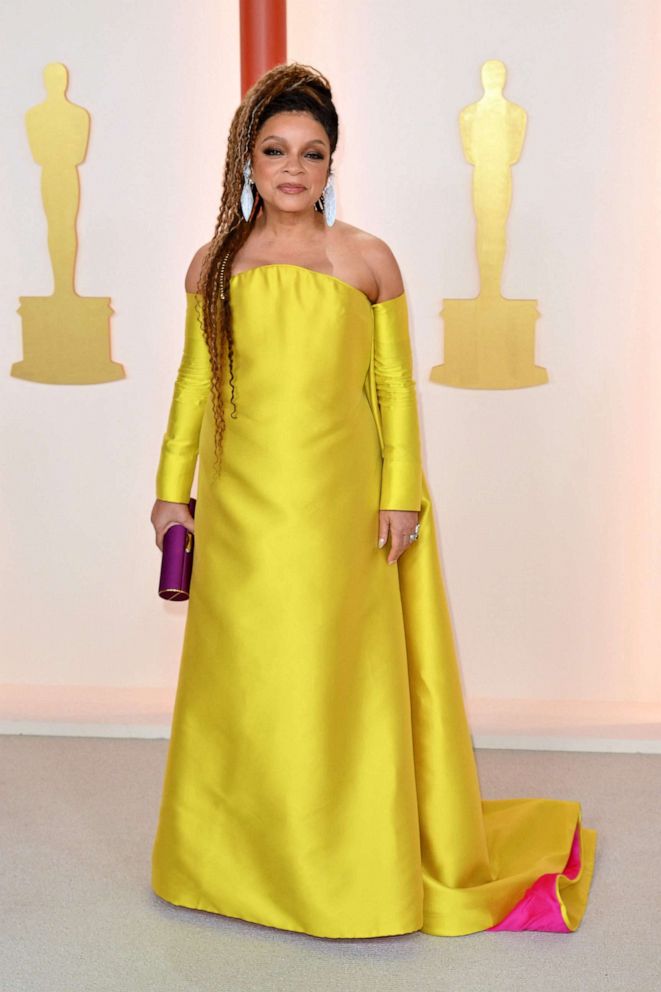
(287, 188)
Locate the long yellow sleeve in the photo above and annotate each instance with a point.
(401, 483)
(179, 449)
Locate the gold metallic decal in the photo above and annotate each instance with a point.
(66, 337)
(489, 341)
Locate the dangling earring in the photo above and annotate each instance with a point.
(328, 199)
(247, 197)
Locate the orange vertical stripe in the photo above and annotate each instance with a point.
(263, 25)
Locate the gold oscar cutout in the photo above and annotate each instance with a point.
(489, 341)
(66, 337)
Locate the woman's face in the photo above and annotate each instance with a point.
(290, 161)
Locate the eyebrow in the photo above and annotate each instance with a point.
(313, 141)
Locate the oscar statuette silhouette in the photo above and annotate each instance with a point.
(489, 341)
(66, 337)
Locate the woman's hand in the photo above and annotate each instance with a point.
(165, 514)
(400, 523)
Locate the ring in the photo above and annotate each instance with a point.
(414, 535)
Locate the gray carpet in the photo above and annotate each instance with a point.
(77, 820)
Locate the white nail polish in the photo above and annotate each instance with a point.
(382, 541)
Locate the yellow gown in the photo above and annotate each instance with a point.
(320, 774)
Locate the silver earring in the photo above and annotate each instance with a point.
(247, 197)
(328, 197)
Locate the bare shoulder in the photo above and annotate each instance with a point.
(381, 261)
(195, 268)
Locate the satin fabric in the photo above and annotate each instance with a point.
(320, 774)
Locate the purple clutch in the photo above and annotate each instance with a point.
(177, 561)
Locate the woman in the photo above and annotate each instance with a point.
(320, 773)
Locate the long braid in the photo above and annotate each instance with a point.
(299, 87)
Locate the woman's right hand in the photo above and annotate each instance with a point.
(165, 514)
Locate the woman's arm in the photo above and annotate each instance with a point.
(401, 485)
(179, 449)
(180, 444)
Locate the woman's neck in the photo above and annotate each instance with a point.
(288, 228)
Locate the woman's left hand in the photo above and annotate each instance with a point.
(399, 523)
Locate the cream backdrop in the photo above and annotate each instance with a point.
(547, 498)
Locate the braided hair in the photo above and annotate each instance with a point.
(286, 87)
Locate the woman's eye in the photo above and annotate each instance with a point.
(276, 151)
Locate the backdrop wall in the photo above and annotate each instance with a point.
(547, 498)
